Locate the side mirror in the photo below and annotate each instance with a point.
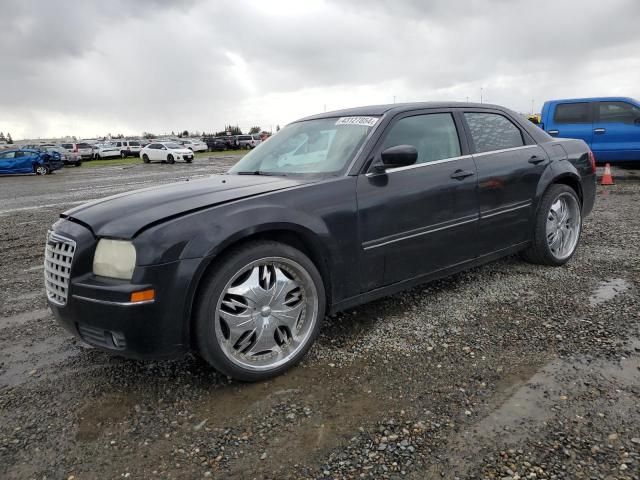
(399, 156)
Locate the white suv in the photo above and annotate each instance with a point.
(128, 148)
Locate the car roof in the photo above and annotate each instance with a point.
(594, 99)
(378, 110)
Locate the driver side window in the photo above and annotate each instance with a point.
(434, 135)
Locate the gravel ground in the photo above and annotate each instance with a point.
(505, 371)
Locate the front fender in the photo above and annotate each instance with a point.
(246, 221)
(206, 233)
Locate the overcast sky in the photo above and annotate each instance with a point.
(89, 68)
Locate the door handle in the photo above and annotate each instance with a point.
(536, 160)
(553, 132)
(599, 131)
(461, 174)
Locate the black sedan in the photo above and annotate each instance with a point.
(336, 210)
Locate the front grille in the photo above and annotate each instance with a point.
(58, 257)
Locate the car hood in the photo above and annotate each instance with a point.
(126, 214)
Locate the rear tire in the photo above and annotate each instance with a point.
(557, 227)
(145, 158)
(170, 159)
(123, 155)
(262, 343)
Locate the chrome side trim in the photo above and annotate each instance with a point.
(493, 213)
(513, 149)
(109, 302)
(418, 165)
(431, 229)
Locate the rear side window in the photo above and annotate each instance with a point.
(572, 113)
(84, 145)
(491, 131)
(434, 135)
(619, 112)
(67, 145)
(134, 144)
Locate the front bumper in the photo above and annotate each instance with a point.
(99, 312)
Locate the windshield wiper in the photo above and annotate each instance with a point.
(261, 172)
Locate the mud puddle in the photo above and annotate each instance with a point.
(536, 400)
(608, 290)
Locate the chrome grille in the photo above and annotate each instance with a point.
(58, 257)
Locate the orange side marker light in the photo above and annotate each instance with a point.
(143, 296)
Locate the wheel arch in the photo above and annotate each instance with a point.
(569, 180)
(299, 238)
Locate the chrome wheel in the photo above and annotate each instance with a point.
(563, 226)
(266, 313)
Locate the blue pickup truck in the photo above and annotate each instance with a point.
(609, 125)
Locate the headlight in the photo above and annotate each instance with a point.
(115, 259)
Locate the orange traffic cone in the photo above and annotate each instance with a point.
(607, 179)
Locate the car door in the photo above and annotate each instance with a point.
(616, 131)
(152, 151)
(421, 218)
(509, 165)
(572, 120)
(24, 161)
(7, 162)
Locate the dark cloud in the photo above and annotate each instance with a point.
(88, 67)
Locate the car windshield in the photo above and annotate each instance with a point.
(173, 146)
(322, 146)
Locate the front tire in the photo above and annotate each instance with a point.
(145, 158)
(259, 311)
(557, 229)
(42, 170)
(170, 159)
(123, 155)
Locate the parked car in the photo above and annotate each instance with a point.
(609, 125)
(106, 150)
(128, 148)
(166, 152)
(85, 150)
(68, 158)
(246, 141)
(217, 144)
(231, 141)
(27, 160)
(336, 210)
(193, 144)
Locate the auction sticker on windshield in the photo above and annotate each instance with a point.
(365, 121)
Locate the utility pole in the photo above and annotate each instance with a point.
(467, 99)
(394, 99)
(481, 89)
